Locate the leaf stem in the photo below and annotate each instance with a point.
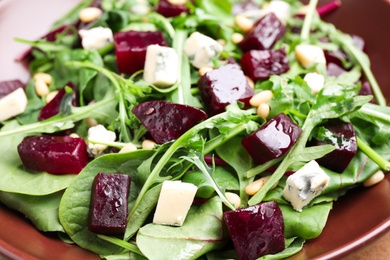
(373, 155)
(308, 20)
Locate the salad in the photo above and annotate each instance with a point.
(244, 107)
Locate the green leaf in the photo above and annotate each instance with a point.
(293, 246)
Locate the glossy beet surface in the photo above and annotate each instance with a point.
(131, 47)
(53, 154)
(222, 86)
(257, 230)
(272, 140)
(261, 64)
(344, 139)
(167, 121)
(264, 33)
(53, 107)
(9, 86)
(108, 207)
(167, 9)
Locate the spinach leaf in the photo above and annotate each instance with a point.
(74, 205)
(293, 246)
(42, 211)
(202, 231)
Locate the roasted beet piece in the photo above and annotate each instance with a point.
(53, 107)
(167, 121)
(222, 86)
(241, 7)
(131, 48)
(261, 64)
(333, 69)
(54, 154)
(108, 207)
(257, 230)
(272, 140)
(366, 90)
(344, 139)
(166, 9)
(265, 32)
(9, 86)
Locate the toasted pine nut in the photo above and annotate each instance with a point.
(222, 42)
(41, 88)
(263, 110)
(243, 22)
(90, 14)
(374, 179)
(74, 135)
(204, 70)
(50, 96)
(237, 38)
(91, 122)
(261, 97)
(250, 82)
(128, 148)
(41, 76)
(234, 199)
(255, 186)
(177, 2)
(148, 144)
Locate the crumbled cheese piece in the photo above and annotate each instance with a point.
(13, 104)
(315, 81)
(96, 38)
(305, 184)
(101, 134)
(280, 8)
(308, 55)
(201, 49)
(174, 203)
(161, 65)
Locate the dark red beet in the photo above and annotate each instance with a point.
(167, 9)
(272, 140)
(53, 107)
(222, 86)
(366, 89)
(131, 48)
(54, 154)
(242, 7)
(167, 121)
(344, 140)
(265, 32)
(9, 86)
(261, 64)
(108, 207)
(335, 70)
(257, 230)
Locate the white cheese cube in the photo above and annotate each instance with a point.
(305, 184)
(161, 66)
(13, 104)
(99, 133)
(280, 8)
(96, 38)
(308, 55)
(315, 81)
(174, 203)
(201, 49)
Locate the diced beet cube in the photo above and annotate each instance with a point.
(264, 33)
(261, 64)
(358, 42)
(166, 9)
(167, 121)
(256, 230)
(53, 107)
(131, 48)
(222, 86)
(108, 207)
(366, 90)
(241, 7)
(333, 69)
(9, 86)
(336, 57)
(54, 154)
(273, 139)
(344, 140)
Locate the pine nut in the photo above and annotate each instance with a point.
(148, 144)
(41, 76)
(74, 135)
(234, 199)
(261, 97)
(237, 38)
(243, 22)
(263, 110)
(204, 70)
(250, 82)
(50, 96)
(128, 148)
(222, 42)
(177, 2)
(374, 179)
(254, 187)
(90, 14)
(91, 122)
(41, 88)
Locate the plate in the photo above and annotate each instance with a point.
(357, 221)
